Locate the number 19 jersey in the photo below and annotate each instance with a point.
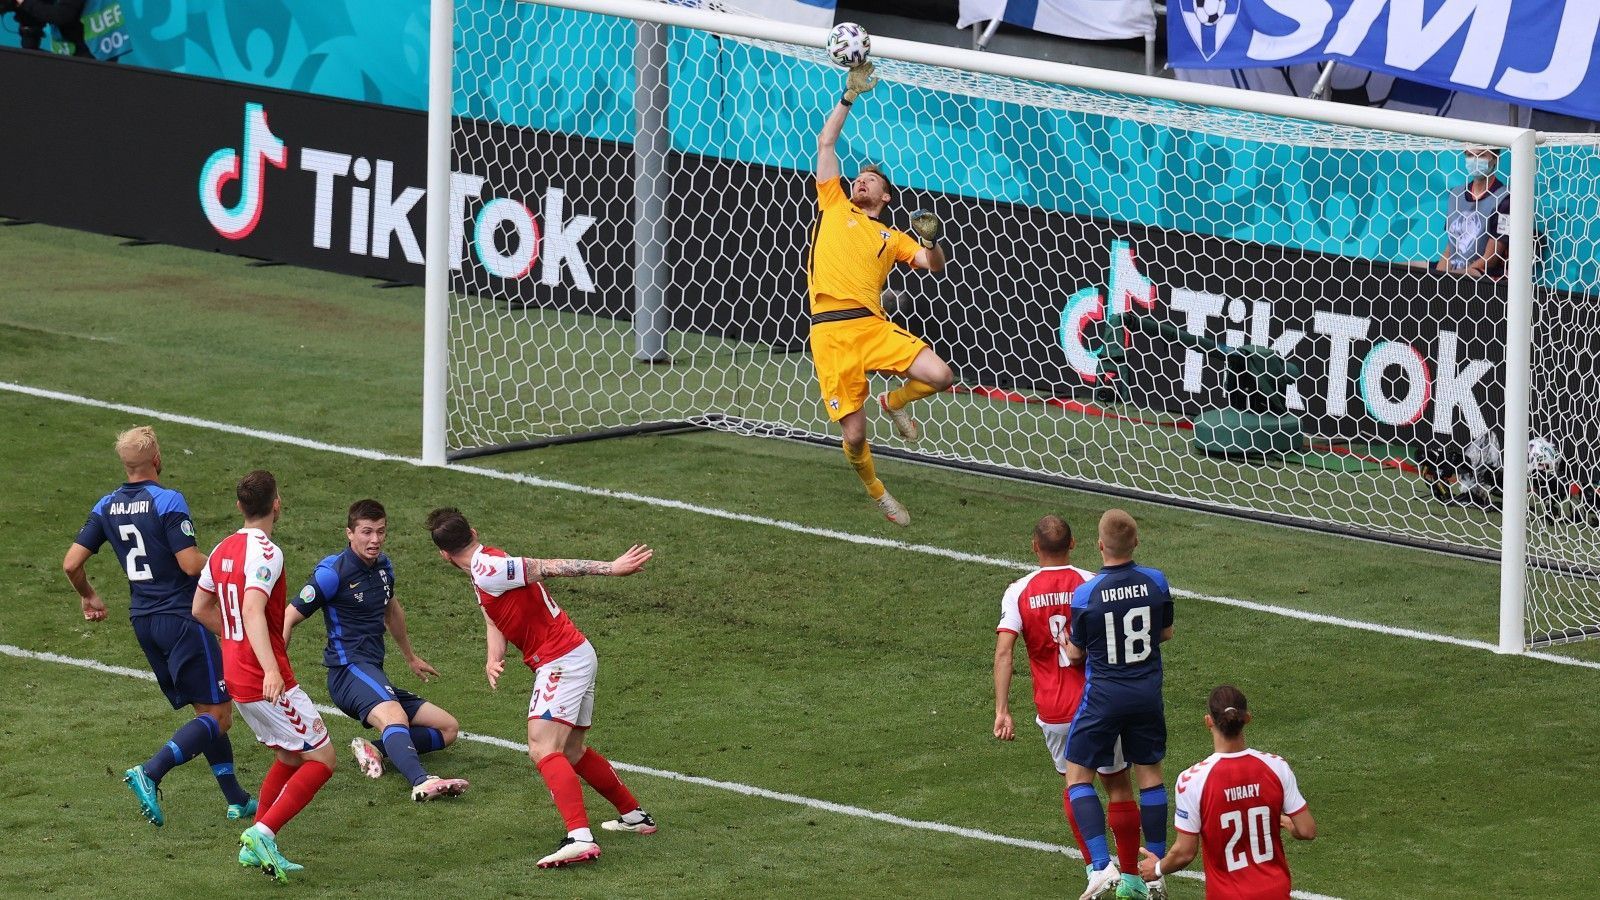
(1232, 801)
(1038, 608)
(244, 560)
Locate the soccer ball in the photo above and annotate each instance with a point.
(1543, 458)
(1209, 12)
(849, 44)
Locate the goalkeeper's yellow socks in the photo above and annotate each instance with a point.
(911, 390)
(861, 460)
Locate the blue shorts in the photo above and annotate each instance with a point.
(359, 687)
(1138, 720)
(185, 658)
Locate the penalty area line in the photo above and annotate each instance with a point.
(764, 521)
(747, 790)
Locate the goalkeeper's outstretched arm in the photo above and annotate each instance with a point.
(858, 82)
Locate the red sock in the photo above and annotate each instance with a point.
(597, 771)
(309, 776)
(1123, 819)
(565, 790)
(272, 787)
(1077, 835)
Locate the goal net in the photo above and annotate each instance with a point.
(1226, 310)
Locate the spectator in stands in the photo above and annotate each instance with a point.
(1477, 220)
(34, 15)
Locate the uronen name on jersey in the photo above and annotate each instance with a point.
(1128, 592)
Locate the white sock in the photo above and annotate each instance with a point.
(635, 817)
(264, 830)
(582, 834)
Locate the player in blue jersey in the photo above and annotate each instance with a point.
(1119, 620)
(149, 528)
(354, 589)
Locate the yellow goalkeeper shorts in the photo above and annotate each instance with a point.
(845, 351)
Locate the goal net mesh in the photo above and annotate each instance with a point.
(1194, 305)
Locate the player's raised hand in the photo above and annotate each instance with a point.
(1003, 729)
(1147, 864)
(632, 561)
(859, 81)
(94, 609)
(927, 227)
(421, 669)
(493, 668)
(272, 685)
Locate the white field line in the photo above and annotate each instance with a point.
(861, 539)
(733, 786)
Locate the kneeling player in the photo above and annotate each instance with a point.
(355, 588)
(517, 607)
(241, 598)
(1037, 607)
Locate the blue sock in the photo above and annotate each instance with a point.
(187, 743)
(1153, 818)
(1091, 819)
(426, 739)
(219, 753)
(398, 747)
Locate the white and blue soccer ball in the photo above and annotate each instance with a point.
(1543, 457)
(849, 44)
(1209, 12)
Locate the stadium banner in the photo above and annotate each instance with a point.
(1537, 53)
(1093, 20)
(1389, 349)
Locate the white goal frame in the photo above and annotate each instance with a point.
(1520, 142)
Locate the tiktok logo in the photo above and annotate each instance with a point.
(261, 146)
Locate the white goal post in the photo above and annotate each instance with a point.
(629, 335)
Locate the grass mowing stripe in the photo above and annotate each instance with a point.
(832, 534)
(734, 786)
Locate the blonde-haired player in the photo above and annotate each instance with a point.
(852, 253)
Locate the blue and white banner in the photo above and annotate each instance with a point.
(1095, 20)
(1539, 53)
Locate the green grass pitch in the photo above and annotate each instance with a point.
(791, 661)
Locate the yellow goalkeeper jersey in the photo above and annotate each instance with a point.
(851, 254)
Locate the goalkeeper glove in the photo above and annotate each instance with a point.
(926, 225)
(858, 82)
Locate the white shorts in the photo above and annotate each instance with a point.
(563, 688)
(290, 724)
(1055, 740)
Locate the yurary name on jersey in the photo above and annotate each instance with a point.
(1242, 792)
(1130, 592)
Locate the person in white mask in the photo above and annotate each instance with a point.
(1477, 219)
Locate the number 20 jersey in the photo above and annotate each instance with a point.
(522, 608)
(1232, 801)
(1038, 608)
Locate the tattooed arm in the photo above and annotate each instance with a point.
(626, 564)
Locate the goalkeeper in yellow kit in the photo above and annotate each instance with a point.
(851, 255)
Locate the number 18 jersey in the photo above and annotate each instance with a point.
(1117, 619)
(1038, 608)
(1232, 801)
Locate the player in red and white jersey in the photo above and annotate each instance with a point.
(518, 608)
(241, 597)
(1038, 608)
(1232, 805)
